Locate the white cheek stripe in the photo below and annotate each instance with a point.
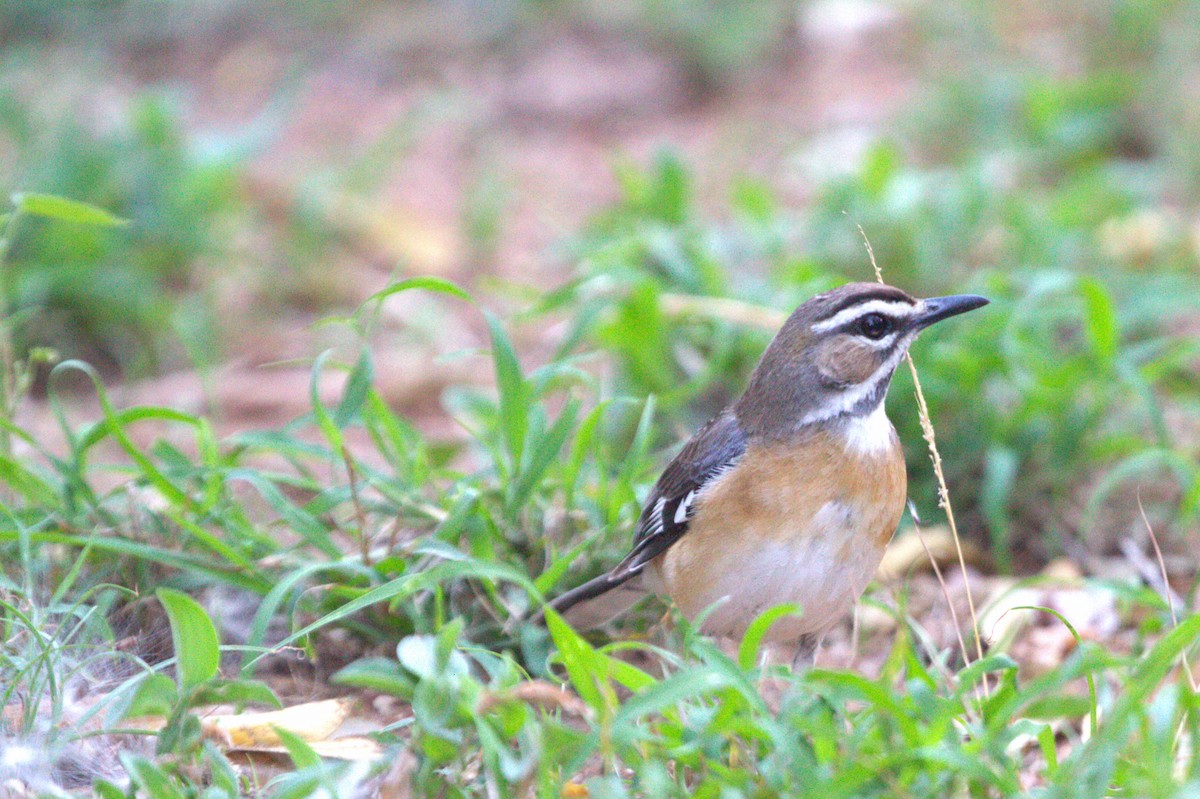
(844, 401)
(895, 308)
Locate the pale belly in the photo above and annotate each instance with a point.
(756, 541)
(823, 573)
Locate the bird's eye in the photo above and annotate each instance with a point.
(874, 326)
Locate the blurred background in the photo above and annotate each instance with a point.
(601, 174)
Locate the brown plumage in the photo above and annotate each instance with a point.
(803, 521)
(793, 492)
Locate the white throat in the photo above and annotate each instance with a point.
(870, 434)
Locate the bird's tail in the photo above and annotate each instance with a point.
(599, 600)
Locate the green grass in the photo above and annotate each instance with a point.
(404, 565)
(402, 547)
(1069, 372)
(120, 296)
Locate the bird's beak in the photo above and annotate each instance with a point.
(938, 308)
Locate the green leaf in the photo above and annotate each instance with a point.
(324, 419)
(1100, 317)
(115, 423)
(1059, 707)
(153, 781)
(225, 781)
(236, 692)
(558, 567)
(1000, 468)
(185, 562)
(752, 640)
(690, 684)
(880, 167)
(628, 675)
(447, 647)
(354, 395)
(635, 457)
(50, 206)
(303, 784)
(1046, 740)
(197, 649)
(301, 753)
(860, 688)
(1161, 658)
(155, 695)
(21, 480)
(408, 584)
(544, 450)
(671, 196)
(286, 585)
(428, 283)
(581, 447)
(513, 389)
(1092, 703)
(381, 675)
(106, 790)
(580, 659)
(623, 673)
(989, 664)
(314, 531)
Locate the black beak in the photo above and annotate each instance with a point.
(939, 308)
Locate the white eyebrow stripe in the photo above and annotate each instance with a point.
(893, 308)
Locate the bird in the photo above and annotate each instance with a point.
(792, 493)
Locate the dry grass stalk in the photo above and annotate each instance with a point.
(1162, 566)
(943, 491)
(944, 499)
(937, 571)
(1181, 732)
(725, 309)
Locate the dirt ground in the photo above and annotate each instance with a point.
(429, 141)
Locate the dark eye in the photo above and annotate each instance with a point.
(873, 326)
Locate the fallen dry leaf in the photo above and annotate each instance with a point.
(540, 693)
(354, 747)
(906, 553)
(312, 721)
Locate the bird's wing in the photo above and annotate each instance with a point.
(714, 450)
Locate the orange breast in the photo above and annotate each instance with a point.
(803, 521)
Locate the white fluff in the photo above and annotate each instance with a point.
(870, 434)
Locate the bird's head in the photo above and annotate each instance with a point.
(835, 356)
